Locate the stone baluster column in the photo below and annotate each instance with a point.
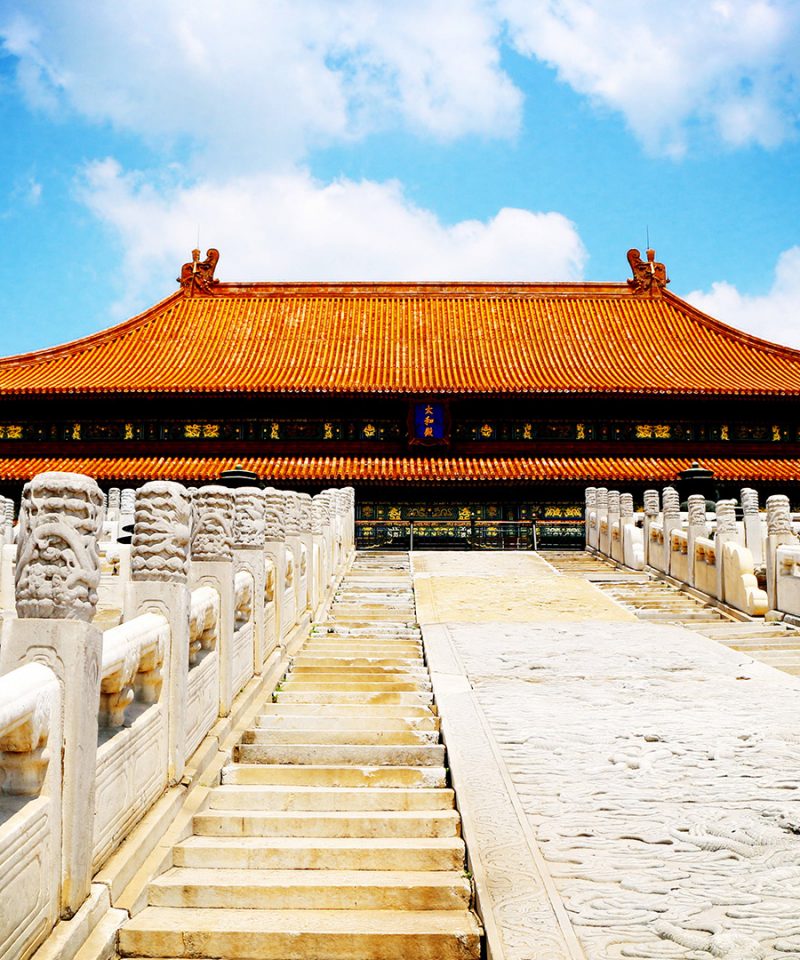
(625, 520)
(672, 519)
(753, 530)
(613, 519)
(248, 545)
(8, 513)
(113, 511)
(602, 515)
(305, 522)
(779, 531)
(127, 509)
(697, 527)
(160, 584)
(337, 510)
(589, 516)
(726, 532)
(320, 529)
(57, 576)
(212, 565)
(5, 529)
(294, 547)
(275, 549)
(349, 519)
(113, 504)
(651, 511)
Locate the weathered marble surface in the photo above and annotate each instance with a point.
(656, 771)
(659, 772)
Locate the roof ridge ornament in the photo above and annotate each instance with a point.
(649, 276)
(197, 276)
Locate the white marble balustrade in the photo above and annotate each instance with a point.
(198, 608)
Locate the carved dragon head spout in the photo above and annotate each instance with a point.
(58, 563)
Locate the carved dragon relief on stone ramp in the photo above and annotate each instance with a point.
(659, 777)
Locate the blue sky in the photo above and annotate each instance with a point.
(355, 139)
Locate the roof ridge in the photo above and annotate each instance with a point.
(92, 339)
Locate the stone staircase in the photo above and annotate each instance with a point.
(772, 642)
(333, 834)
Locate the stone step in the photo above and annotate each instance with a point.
(334, 684)
(661, 615)
(265, 797)
(321, 853)
(343, 670)
(359, 723)
(345, 662)
(310, 889)
(418, 755)
(315, 823)
(375, 698)
(295, 934)
(348, 648)
(327, 737)
(366, 710)
(768, 643)
(742, 631)
(335, 775)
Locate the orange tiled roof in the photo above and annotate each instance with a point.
(406, 469)
(413, 339)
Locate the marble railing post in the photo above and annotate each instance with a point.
(248, 547)
(753, 531)
(349, 520)
(8, 557)
(671, 520)
(113, 505)
(779, 531)
(305, 522)
(651, 512)
(159, 584)
(7, 524)
(212, 566)
(613, 518)
(275, 549)
(320, 529)
(294, 543)
(602, 515)
(726, 532)
(590, 507)
(337, 509)
(697, 526)
(127, 508)
(58, 572)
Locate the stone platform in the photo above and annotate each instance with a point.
(627, 788)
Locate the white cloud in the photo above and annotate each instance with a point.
(254, 84)
(288, 226)
(774, 316)
(257, 83)
(728, 64)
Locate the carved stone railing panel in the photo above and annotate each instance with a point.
(243, 599)
(203, 622)
(133, 654)
(28, 696)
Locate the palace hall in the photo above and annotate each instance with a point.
(447, 404)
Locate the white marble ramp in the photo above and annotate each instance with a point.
(654, 773)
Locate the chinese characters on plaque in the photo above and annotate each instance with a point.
(429, 421)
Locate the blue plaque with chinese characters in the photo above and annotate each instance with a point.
(429, 421)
